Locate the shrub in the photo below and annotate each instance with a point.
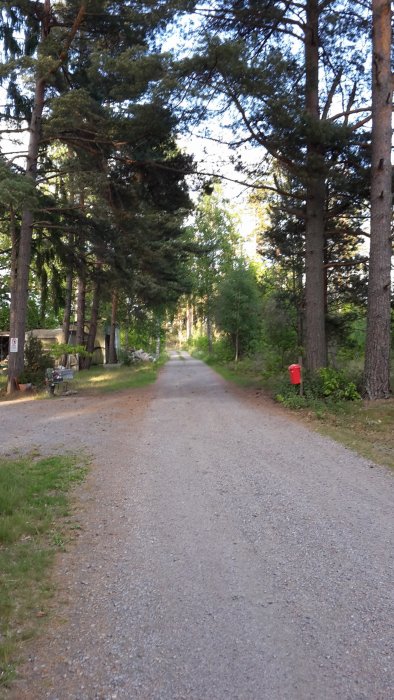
(331, 383)
(325, 388)
(58, 350)
(36, 361)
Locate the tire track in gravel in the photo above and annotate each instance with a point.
(227, 553)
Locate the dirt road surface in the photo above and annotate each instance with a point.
(226, 552)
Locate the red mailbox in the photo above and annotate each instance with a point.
(295, 374)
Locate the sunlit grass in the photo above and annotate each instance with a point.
(99, 379)
(34, 506)
(103, 380)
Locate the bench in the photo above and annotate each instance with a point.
(59, 376)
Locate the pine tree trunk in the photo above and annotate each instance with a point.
(377, 353)
(14, 262)
(209, 332)
(158, 345)
(112, 359)
(67, 307)
(81, 307)
(21, 267)
(189, 321)
(67, 313)
(81, 303)
(94, 315)
(316, 351)
(315, 335)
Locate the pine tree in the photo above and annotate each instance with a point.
(377, 355)
(96, 61)
(267, 60)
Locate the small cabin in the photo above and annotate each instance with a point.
(50, 336)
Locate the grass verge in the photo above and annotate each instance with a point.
(364, 426)
(108, 379)
(34, 522)
(101, 379)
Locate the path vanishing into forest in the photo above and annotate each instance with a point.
(226, 552)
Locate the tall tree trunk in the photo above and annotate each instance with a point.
(20, 277)
(209, 331)
(189, 320)
(70, 275)
(377, 353)
(94, 316)
(12, 380)
(67, 307)
(316, 350)
(81, 308)
(67, 313)
(112, 359)
(315, 332)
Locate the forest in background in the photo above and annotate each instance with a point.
(111, 221)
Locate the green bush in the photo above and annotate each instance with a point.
(331, 383)
(124, 357)
(222, 351)
(198, 344)
(326, 388)
(36, 362)
(60, 349)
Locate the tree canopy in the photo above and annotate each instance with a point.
(101, 203)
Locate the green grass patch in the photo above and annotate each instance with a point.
(107, 379)
(243, 376)
(34, 507)
(365, 427)
(3, 383)
(100, 379)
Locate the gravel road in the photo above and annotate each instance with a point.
(226, 551)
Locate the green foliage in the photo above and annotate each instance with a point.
(36, 361)
(15, 189)
(214, 242)
(221, 352)
(119, 196)
(238, 307)
(4, 316)
(59, 349)
(279, 327)
(331, 383)
(199, 346)
(141, 327)
(326, 388)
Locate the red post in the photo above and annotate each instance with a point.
(295, 374)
